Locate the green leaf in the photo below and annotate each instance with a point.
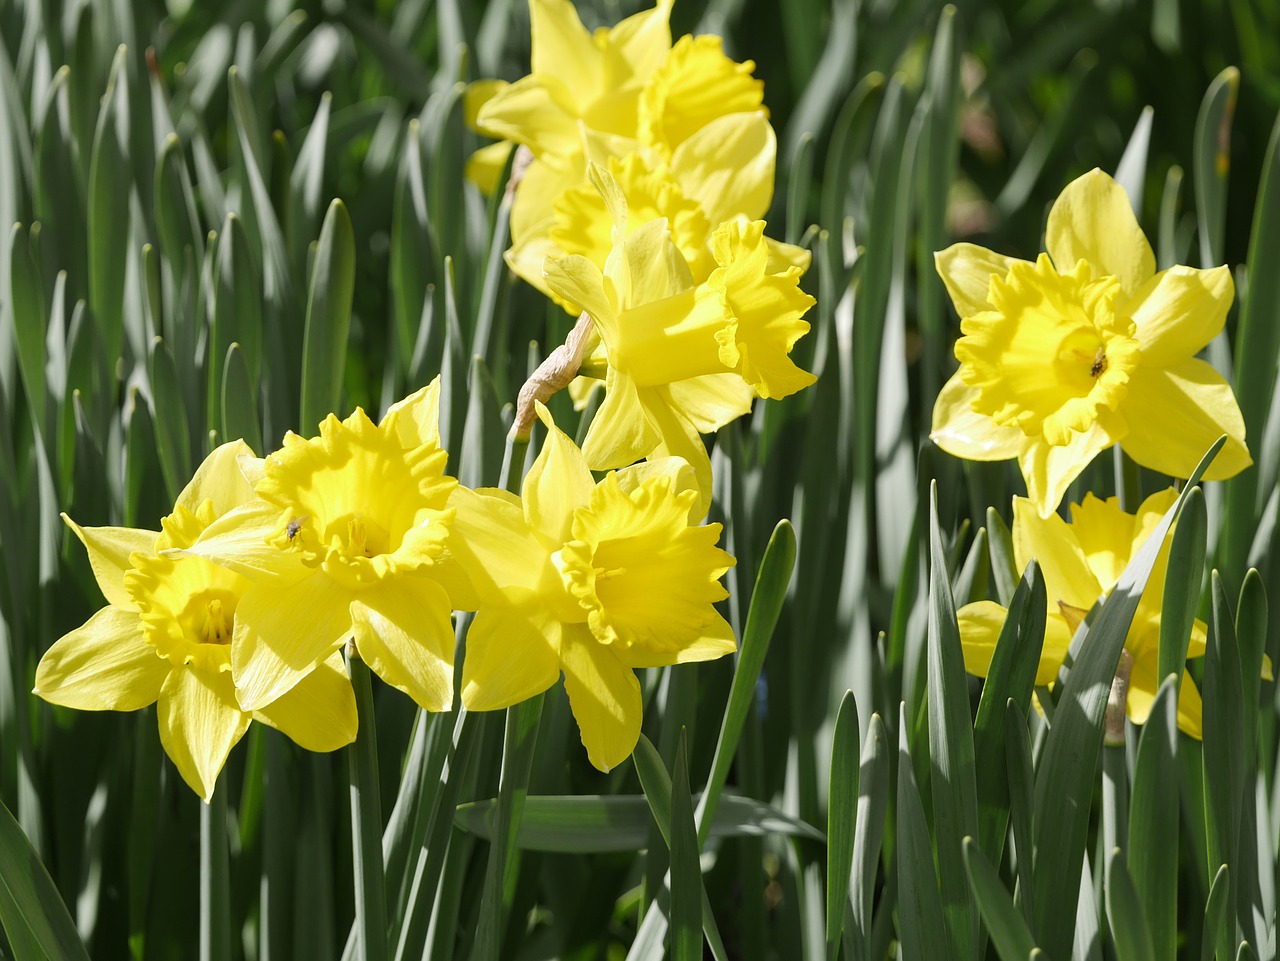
(239, 401)
(1153, 821)
(1068, 765)
(686, 871)
(324, 351)
(766, 605)
(173, 440)
(873, 801)
(1010, 677)
(951, 750)
(1009, 932)
(1003, 566)
(237, 315)
(109, 187)
(29, 317)
(1124, 911)
(842, 803)
(1021, 797)
(34, 917)
(1215, 913)
(921, 927)
(1212, 162)
(1182, 586)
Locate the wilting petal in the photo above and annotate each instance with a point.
(319, 712)
(109, 549)
(199, 725)
(513, 651)
(963, 432)
(220, 480)
(103, 665)
(604, 696)
(966, 271)
(403, 632)
(282, 633)
(980, 626)
(1053, 544)
(1178, 311)
(1092, 220)
(1176, 413)
(1049, 470)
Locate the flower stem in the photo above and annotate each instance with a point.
(215, 892)
(366, 820)
(513, 462)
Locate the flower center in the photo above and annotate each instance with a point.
(218, 624)
(1051, 353)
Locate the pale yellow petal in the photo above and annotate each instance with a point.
(1053, 544)
(715, 641)
(640, 42)
(604, 696)
(677, 437)
(220, 480)
(103, 665)
(513, 651)
(238, 541)
(1143, 685)
(620, 433)
(579, 281)
(415, 420)
(980, 625)
(489, 547)
(1176, 413)
(678, 471)
(728, 166)
(538, 112)
(282, 633)
(1048, 470)
(109, 549)
(558, 483)
(1092, 220)
(656, 269)
(562, 48)
(404, 633)
(966, 271)
(712, 400)
(963, 432)
(1178, 311)
(199, 725)
(319, 712)
(1105, 534)
(485, 166)
(479, 93)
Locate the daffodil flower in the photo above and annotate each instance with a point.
(592, 580)
(1081, 561)
(1084, 348)
(165, 639)
(340, 545)
(682, 359)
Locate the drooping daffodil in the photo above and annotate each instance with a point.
(165, 638)
(1082, 561)
(681, 359)
(592, 580)
(339, 545)
(1085, 348)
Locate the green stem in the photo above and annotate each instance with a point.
(215, 891)
(366, 821)
(513, 464)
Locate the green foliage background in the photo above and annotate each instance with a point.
(204, 187)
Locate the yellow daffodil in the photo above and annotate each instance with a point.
(341, 545)
(592, 580)
(164, 639)
(1084, 348)
(682, 359)
(1081, 561)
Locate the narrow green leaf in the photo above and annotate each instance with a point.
(1251, 637)
(1215, 913)
(842, 800)
(1068, 765)
(1009, 932)
(173, 441)
(1182, 586)
(34, 917)
(109, 187)
(29, 317)
(873, 801)
(237, 314)
(1124, 911)
(686, 871)
(1019, 769)
(239, 401)
(951, 751)
(1153, 821)
(1212, 162)
(177, 223)
(1003, 566)
(1010, 678)
(766, 605)
(921, 927)
(324, 351)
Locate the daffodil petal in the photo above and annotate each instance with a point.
(712, 400)
(1092, 220)
(199, 725)
(1143, 685)
(963, 432)
(415, 420)
(579, 281)
(562, 48)
(980, 625)
(220, 480)
(728, 166)
(642, 40)
(1179, 310)
(1200, 640)
(319, 712)
(678, 438)
(966, 271)
(604, 696)
(485, 166)
(1176, 413)
(1055, 547)
(512, 651)
(238, 541)
(103, 665)
(716, 640)
(620, 433)
(403, 632)
(558, 483)
(536, 111)
(1105, 535)
(489, 547)
(479, 93)
(678, 471)
(109, 549)
(656, 269)
(282, 633)
(1049, 469)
